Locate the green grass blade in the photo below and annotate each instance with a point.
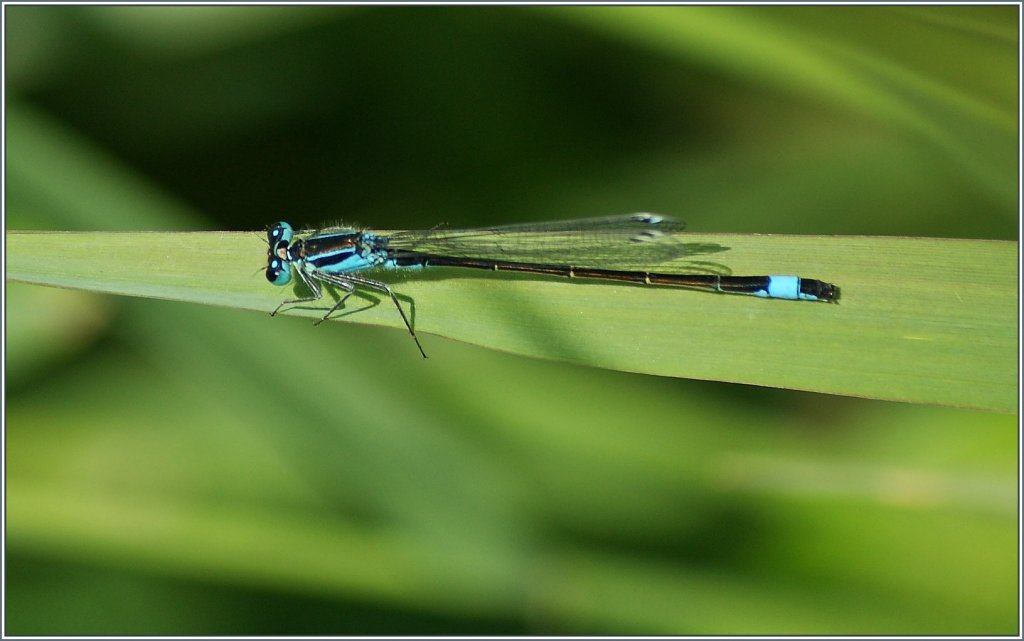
(921, 320)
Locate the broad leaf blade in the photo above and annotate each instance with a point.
(920, 320)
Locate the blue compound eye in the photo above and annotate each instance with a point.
(278, 272)
(282, 231)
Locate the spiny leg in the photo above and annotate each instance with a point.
(349, 282)
(349, 289)
(310, 284)
(314, 288)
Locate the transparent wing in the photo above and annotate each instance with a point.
(633, 241)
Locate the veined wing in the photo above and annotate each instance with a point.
(633, 241)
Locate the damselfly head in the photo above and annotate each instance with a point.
(279, 236)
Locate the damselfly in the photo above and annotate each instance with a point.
(621, 248)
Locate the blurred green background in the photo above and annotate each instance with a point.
(176, 469)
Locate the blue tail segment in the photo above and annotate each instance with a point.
(796, 288)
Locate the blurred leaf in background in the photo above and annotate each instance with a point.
(180, 469)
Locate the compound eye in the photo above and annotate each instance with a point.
(278, 273)
(281, 232)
